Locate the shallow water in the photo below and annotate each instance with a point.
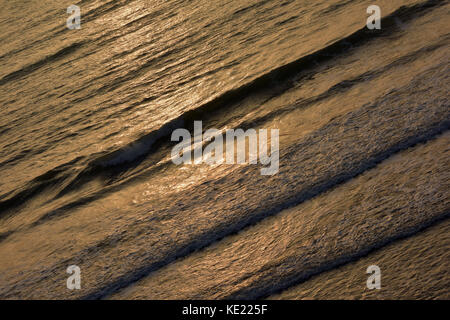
(86, 118)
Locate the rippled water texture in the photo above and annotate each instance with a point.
(86, 177)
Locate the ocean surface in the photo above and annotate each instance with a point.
(86, 176)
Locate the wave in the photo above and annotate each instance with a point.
(371, 144)
(323, 160)
(376, 136)
(280, 76)
(209, 237)
(114, 162)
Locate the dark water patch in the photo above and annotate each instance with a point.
(26, 70)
